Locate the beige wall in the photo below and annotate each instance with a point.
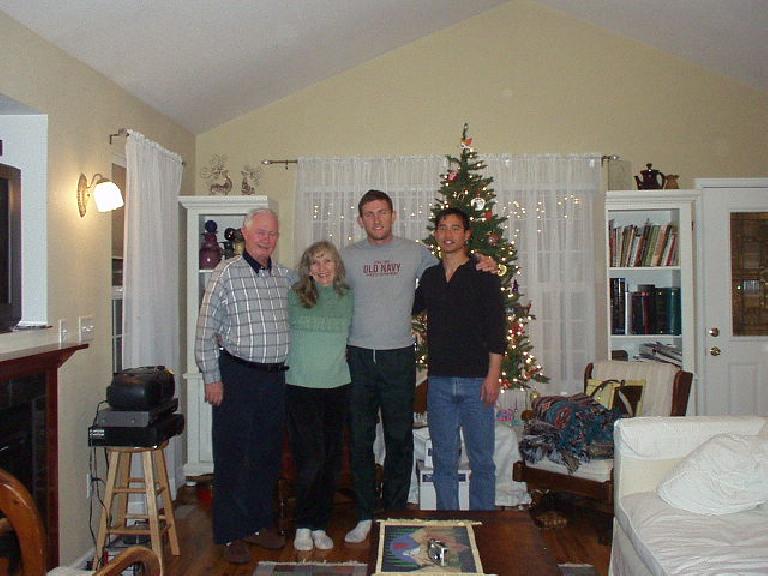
(528, 79)
(83, 108)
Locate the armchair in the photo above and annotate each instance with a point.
(666, 394)
(20, 512)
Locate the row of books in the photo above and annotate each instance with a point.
(647, 245)
(661, 353)
(646, 310)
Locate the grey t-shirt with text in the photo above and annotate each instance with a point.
(383, 280)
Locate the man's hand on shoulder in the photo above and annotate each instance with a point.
(486, 263)
(214, 393)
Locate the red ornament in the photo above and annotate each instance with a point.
(452, 176)
(489, 215)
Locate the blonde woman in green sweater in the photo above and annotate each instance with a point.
(317, 395)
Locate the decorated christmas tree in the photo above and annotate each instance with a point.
(464, 187)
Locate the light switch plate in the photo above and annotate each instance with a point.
(86, 328)
(63, 331)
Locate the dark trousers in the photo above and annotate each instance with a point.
(381, 380)
(316, 420)
(247, 449)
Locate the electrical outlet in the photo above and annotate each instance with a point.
(63, 331)
(87, 485)
(86, 328)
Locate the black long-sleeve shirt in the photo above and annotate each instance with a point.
(465, 319)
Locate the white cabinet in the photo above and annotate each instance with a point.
(227, 212)
(651, 300)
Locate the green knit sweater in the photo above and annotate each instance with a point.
(317, 357)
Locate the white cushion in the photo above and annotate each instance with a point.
(726, 474)
(674, 542)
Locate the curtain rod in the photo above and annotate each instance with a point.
(604, 158)
(285, 162)
(124, 132)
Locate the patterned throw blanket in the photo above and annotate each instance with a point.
(569, 430)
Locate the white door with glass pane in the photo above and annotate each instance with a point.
(732, 344)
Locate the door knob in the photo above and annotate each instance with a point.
(714, 351)
(714, 332)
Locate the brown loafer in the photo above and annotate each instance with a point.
(268, 538)
(237, 553)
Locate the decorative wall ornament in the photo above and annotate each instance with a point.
(251, 178)
(216, 175)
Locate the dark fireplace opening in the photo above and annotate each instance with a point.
(23, 444)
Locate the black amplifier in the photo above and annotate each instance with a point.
(135, 418)
(147, 436)
(141, 388)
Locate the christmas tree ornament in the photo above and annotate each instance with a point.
(452, 175)
(477, 203)
(502, 270)
(489, 215)
(493, 239)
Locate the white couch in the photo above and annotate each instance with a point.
(652, 537)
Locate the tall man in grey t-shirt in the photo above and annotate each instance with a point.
(382, 270)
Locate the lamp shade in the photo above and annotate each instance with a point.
(107, 196)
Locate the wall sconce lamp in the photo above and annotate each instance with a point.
(105, 192)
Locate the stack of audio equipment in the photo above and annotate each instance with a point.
(141, 409)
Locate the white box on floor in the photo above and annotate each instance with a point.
(427, 499)
(423, 449)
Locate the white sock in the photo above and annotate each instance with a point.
(303, 540)
(359, 533)
(322, 540)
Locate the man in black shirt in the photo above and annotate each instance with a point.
(466, 339)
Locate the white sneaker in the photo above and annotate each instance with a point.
(303, 539)
(322, 540)
(359, 533)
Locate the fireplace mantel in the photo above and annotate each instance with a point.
(43, 361)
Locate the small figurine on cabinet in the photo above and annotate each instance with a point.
(251, 177)
(217, 176)
(652, 179)
(234, 237)
(210, 254)
(670, 182)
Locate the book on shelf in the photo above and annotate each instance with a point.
(647, 245)
(618, 305)
(654, 310)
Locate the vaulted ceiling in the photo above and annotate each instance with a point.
(204, 62)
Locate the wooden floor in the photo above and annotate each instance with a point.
(577, 543)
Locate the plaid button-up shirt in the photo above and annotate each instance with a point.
(245, 311)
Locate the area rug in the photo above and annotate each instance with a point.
(404, 544)
(310, 569)
(577, 570)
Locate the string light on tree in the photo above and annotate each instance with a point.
(463, 187)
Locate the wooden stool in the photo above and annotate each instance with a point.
(151, 485)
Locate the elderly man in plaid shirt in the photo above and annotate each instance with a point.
(241, 345)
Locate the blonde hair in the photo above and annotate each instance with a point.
(306, 287)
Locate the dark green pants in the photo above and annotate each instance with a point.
(381, 380)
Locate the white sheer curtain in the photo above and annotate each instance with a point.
(150, 265)
(554, 206)
(552, 202)
(328, 190)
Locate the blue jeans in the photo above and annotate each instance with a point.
(452, 403)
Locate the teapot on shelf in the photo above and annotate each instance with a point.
(652, 179)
